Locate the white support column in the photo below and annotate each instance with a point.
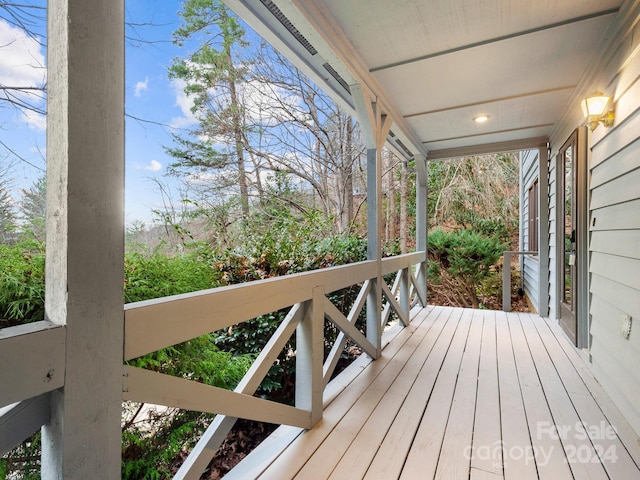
(422, 226)
(85, 234)
(375, 127)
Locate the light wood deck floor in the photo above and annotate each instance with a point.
(460, 394)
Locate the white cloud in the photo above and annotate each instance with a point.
(141, 87)
(153, 166)
(35, 120)
(185, 103)
(22, 65)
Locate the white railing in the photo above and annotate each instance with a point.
(155, 324)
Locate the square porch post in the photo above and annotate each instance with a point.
(85, 234)
(375, 128)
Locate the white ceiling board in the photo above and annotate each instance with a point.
(517, 60)
(540, 61)
(497, 137)
(385, 32)
(515, 113)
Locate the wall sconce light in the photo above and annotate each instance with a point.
(594, 108)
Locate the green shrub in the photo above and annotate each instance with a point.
(488, 227)
(150, 447)
(461, 260)
(302, 254)
(21, 283)
(156, 274)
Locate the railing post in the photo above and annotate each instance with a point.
(506, 282)
(506, 277)
(310, 356)
(404, 297)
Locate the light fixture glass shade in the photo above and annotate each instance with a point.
(595, 104)
(594, 109)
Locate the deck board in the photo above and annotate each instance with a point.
(358, 456)
(548, 451)
(563, 411)
(422, 460)
(460, 394)
(459, 431)
(516, 438)
(391, 455)
(487, 428)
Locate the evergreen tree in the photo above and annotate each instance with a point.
(7, 210)
(212, 76)
(33, 208)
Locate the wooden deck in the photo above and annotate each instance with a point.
(460, 394)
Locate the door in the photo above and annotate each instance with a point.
(568, 254)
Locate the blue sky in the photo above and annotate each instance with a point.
(150, 95)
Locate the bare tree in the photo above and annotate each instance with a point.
(307, 134)
(26, 23)
(404, 198)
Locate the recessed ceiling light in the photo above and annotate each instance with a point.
(481, 118)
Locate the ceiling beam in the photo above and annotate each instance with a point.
(493, 100)
(483, 149)
(495, 39)
(492, 132)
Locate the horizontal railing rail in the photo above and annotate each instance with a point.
(154, 324)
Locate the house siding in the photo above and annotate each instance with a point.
(530, 265)
(614, 233)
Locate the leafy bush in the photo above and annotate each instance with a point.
(489, 227)
(21, 283)
(302, 254)
(151, 443)
(155, 274)
(461, 260)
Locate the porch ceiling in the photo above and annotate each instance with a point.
(436, 64)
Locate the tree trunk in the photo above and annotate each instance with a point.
(237, 132)
(391, 202)
(347, 215)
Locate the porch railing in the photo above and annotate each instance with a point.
(155, 324)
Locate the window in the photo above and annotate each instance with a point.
(533, 217)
